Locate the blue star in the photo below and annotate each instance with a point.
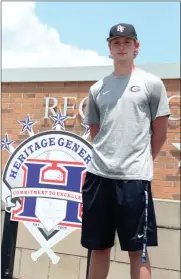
(59, 119)
(5, 143)
(87, 129)
(27, 124)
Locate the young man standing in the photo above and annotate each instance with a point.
(127, 113)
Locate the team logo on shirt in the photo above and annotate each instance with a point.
(135, 88)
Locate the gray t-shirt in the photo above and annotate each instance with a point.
(124, 107)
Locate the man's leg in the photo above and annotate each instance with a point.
(99, 264)
(136, 224)
(139, 270)
(98, 223)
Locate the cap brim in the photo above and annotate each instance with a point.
(112, 38)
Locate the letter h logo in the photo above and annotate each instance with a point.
(49, 176)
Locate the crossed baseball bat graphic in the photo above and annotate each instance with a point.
(46, 245)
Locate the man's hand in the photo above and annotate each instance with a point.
(159, 134)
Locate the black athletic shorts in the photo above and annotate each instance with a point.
(122, 206)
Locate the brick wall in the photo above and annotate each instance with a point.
(18, 99)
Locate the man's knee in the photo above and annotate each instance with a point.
(134, 254)
(101, 253)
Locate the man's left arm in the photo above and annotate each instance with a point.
(159, 134)
(159, 116)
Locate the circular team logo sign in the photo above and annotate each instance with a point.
(45, 174)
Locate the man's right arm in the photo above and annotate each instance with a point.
(92, 117)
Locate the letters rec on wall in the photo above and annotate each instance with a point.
(51, 108)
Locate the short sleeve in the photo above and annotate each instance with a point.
(92, 110)
(159, 101)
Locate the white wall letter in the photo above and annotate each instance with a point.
(66, 106)
(169, 99)
(47, 107)
(81, 107)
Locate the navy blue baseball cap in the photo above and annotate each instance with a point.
(122, 30)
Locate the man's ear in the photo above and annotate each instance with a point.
(137, 46)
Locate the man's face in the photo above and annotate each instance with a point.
(123, 48)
